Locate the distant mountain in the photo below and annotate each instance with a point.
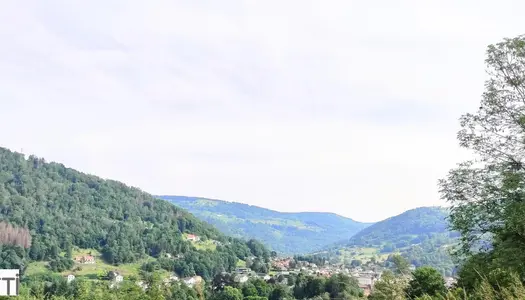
(287, 233)
(410, 227)
(421, 235)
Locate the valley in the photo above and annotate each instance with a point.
(122, 121)
(77, 227)
(68, 230)
(420, 235)
(286, 233)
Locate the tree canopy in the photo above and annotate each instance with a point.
(487, 193)
(46, 209)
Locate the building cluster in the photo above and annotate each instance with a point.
(242, 275)
(189, 281)
(365, 278)
(282, 268)
(281, 264)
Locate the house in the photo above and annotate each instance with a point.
(142, 284)
(216, 243)
(173, 277)
(116, 279)
(242, 278)
(365, 280)
(243, 270)
(115, 276)
(449, 282)
(193, 238)
(264, 276)
(191, 281)
(70, 278)
(170, 279)
(88, 259)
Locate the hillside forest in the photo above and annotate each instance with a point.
(286, 233)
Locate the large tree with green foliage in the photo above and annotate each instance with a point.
(229, 293)
(401, 266)
(487, 194)
(389, 287)
(426, 281)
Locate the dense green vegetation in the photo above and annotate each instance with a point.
(435, 252)
(53, 209)
(49, 214)
(486, 194)
(421, 235)
(289, 233)
(221, 288)
(411, 227)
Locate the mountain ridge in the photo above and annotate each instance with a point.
(421, 235)
(398, 224)
(268, 209)
(301, 232)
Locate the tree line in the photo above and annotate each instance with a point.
(222, 287)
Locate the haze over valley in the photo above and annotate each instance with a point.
(288, 233)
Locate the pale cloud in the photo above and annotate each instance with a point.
(342, 106)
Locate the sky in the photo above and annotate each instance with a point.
(349, 107)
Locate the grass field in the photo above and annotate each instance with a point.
(37, 268)
(205, 245)
(91, 271)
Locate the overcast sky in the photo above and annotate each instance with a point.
(342, 106)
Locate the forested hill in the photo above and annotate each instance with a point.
(63, 209)
(283, 232)
(421, 235)
(410, 227)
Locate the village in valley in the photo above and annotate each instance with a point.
(366, 272)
